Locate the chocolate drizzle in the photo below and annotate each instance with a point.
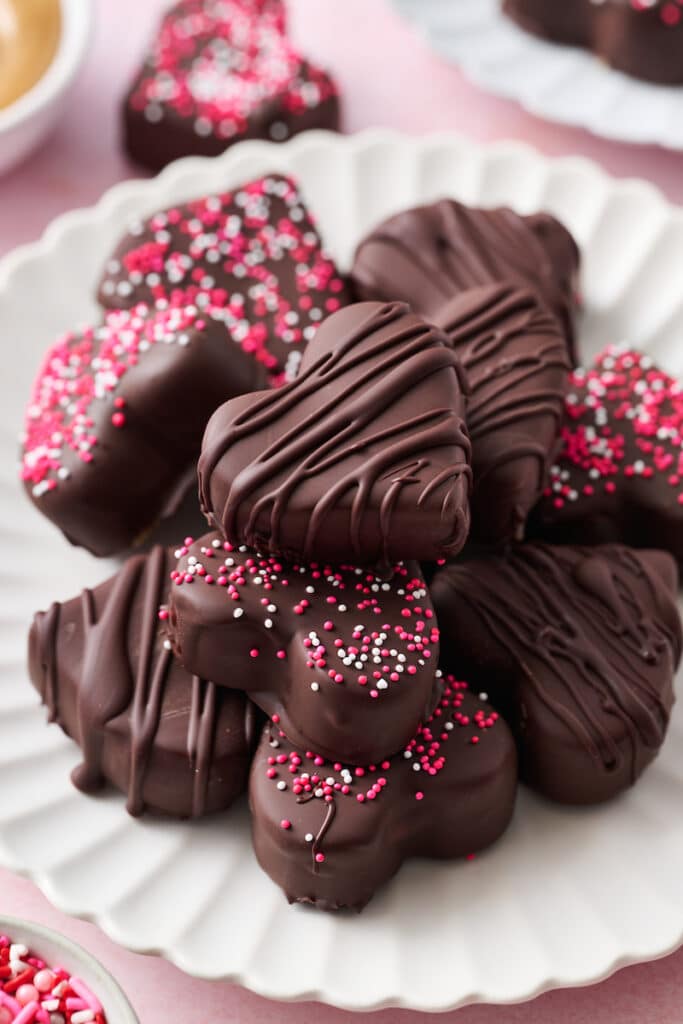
(429, 255)
(330, 812)
(331, 834)
(50, 627)
(121, 682)
(517, 365)
(200, 735)
(591, 635)
(371, 431)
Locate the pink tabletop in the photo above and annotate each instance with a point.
(388, 77)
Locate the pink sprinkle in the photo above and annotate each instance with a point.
(319, 857)
(419, 795)
(118, 419)
(28, 1013)
(253, 653)
(285, 823)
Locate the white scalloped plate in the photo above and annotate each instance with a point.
(567, 896)
(559, 83)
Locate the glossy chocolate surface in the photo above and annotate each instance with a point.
(115, 421)
(517, 365)
(342, 658)
(577, 647)
(171, 741)
(363, 456)
(331, 835)
(428, 255)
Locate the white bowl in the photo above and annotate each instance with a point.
(56, 949)
(29, 119)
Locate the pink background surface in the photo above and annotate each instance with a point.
(388, 77)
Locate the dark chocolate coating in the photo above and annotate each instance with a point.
(173, 742)
(145, 426)
(430, 254)
(162, 124)
(618, 476)
(334, 843)
(643, 40)
(253, 251)
(363, 458)
(344, 659)
(517, 366)
(577, 647)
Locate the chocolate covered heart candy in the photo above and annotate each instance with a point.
(619, 472)
(643, 38)
(577, 647)
(344, 660)
(218, 73)
(430, 254)
(116, 416)
(253, 251)
(330, 834)
(517, 366)
(363, 458)
(172, 741)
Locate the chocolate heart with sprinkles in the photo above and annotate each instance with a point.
(343, 659)
(330, 834)
(363, 458)
(218, 73)
(619, 473)
(252, 252)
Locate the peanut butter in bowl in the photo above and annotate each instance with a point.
(29, 38)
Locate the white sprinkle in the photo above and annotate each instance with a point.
(483, 696)
(167, 645)
(278, 131)
(238, 613)
(315, 687)
(309, 837)
(282, 785)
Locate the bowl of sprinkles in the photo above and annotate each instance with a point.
(47, 978)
